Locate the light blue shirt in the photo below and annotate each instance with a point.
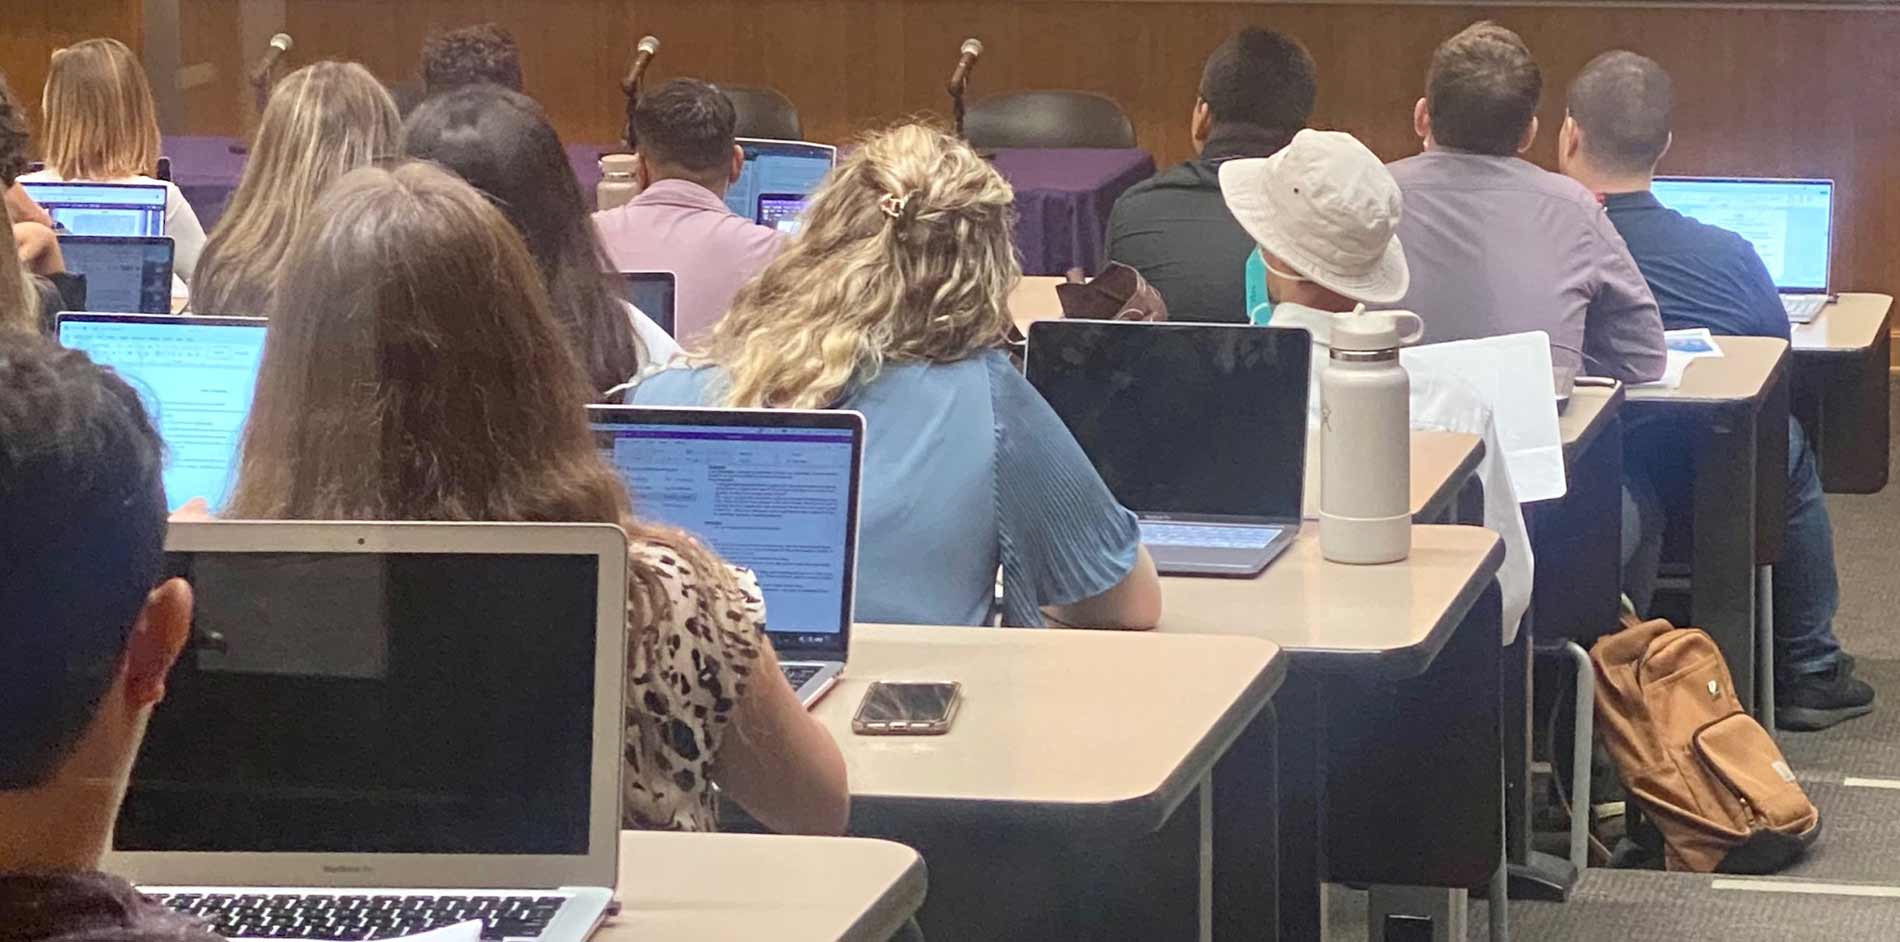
(966, 469)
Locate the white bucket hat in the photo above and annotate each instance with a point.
(1326, 208)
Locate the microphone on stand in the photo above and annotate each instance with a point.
(643, 53)
(960, 78)
(260, 79)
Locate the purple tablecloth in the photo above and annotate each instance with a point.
(1062, 196)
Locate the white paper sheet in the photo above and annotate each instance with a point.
(470, 931)
(1685, 347)
(1512, 375)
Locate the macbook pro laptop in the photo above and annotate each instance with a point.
(103, 209)
(773, 490)
(781, 211)
(381, 728)
(123, 273)
(1789, 222)
(195, 375)
(781, 169)
(1200, 429)
(653, 293)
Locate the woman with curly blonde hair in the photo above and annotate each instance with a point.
(892, 300)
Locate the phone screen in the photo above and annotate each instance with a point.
(888, 703)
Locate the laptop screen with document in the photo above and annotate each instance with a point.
(115, 209)
(1789, 222)
(123, 273)
(1200, 421)
(779, 168)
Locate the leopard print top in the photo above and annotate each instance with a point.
(684, 679)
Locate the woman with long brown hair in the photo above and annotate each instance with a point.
(413, 371)
(323, 121)
(100, 125)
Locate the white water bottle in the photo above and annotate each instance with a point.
(1366, 439)
(618, 185)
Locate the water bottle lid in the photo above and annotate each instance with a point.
(1364, 330)
(618, 163)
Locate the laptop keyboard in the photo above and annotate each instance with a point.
(1201, 534)
(798, 674)
(1803, 308)
(348, 916)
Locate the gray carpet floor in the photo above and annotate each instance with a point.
(1860, 846)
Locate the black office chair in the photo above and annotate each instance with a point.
(764, 113)
(1048, 119)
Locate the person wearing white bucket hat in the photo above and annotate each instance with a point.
(1325, 214)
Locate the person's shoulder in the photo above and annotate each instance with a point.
(683, 385)
(1561, 187)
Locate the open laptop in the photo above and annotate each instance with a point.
(1200, 429)
(196, 376)
(123, 273)
(653, 292)
(380, 728)
(103, 209)
(781, 169)
(773, 490)
(1790, 222)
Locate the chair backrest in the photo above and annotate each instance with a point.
(1048, 119)
(764, 113)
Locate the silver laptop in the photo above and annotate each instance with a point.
(1790, 222)
(773, 490)
(1200, 429)
(380, 728)
(102, 209)
(776, 178)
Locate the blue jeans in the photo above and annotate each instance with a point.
(1807, 591)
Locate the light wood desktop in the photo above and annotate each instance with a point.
(1841, 390)
(1035, 299)
(733, 887)
(1746, 368)
(1855, 321)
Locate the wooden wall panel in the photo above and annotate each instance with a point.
(1762, 90)
(33, 30)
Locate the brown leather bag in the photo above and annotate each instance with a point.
(1706, 774)
(1119, 293)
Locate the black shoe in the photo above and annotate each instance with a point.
(1817, 701)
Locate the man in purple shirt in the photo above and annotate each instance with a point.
(89, 628)
(680, 222)
(1497, 245)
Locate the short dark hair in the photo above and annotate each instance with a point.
(1261, 77)
(1482, 90)
(472, 55)
(687, 123)
(15, 135)
(82, 544)
(1624, 104)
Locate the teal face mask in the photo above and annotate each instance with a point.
(1259, 305)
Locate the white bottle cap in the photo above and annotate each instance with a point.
(618, 164)
(1364, 330)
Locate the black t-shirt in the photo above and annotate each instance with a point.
(87, 907)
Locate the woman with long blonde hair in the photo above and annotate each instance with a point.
(323, 121)
(892, 300)
(414, 371)
(100, 125)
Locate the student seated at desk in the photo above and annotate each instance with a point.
(1324, 213)
(1618, 128)
(1499, 246)
(1256, 90)
(323, 121)
(414, 371)
(502, 144)
(89, 634)
(892, 300)
(101, 126)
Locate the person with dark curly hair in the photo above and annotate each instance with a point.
(471, 55)
(51, 288)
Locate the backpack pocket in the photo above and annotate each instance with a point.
(1744, 758)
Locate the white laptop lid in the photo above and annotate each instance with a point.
(415, 705)
(1790, 222)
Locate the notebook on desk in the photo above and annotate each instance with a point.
(102, 209)
(1200, 429)
(1790, 222)
(773, 490)
(380, 728)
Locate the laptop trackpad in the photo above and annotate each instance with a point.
(1212, 561)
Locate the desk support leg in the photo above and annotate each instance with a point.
(1204, 798)
(1765, 644)
(1302, 812)
(1240, 848)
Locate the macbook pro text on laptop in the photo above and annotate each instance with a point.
(381, 728)
(1789, 222)
(773, 490)
(1200, 429)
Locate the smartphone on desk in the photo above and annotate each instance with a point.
(907, 709)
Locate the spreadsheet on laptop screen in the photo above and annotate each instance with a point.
(196, 381)
(776, 500)
(1789, 222)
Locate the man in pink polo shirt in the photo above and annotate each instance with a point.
(680, 222)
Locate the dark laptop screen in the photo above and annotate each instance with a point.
(652, 292)
(1183, 419)
(375, 703)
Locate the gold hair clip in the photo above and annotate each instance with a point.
(893, 205)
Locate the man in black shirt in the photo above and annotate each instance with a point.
(1257, 90)
(88, 632)
(1703, 276)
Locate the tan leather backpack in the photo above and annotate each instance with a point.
(1697, 765)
